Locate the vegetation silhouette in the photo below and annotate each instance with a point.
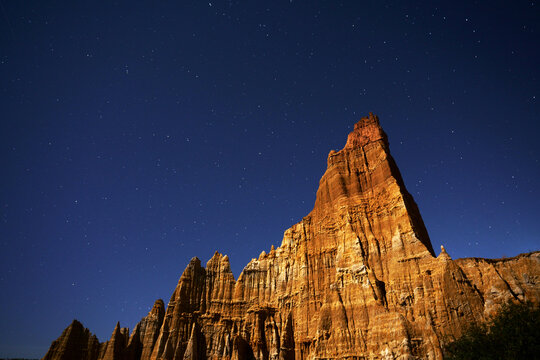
(513, 333)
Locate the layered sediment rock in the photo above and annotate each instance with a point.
(357, 278)
(76, 342)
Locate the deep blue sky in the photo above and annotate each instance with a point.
(135, 136)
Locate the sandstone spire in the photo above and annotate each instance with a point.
(356, 278)
(76, 342)
(150, 328)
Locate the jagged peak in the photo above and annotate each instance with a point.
(75, 326)
(158, 308)
(366, 121)
(193, 267)
(158, 303)
(444, 254)
(365, 131)
(215, 258)
(76, 322)
(136, 330)
(365, 241)
(194, 263)
(75, 333)
(219, 260)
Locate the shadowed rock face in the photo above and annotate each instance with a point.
(76, 342)
(357, 278)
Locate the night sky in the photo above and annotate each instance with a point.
(135, 136)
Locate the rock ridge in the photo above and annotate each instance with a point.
(357, 278)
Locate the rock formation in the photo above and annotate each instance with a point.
(76, 342)
(357, 278)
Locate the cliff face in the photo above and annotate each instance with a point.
(357, 278)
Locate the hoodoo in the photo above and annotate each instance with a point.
(357, 278)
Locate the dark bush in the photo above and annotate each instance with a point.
(514, 333)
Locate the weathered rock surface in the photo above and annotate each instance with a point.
(357, 278)
(76, 342)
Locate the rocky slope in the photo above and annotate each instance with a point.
(357, 278)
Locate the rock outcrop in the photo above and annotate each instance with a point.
(76, 342)
(357, 278)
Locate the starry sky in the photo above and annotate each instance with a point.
(136, 135)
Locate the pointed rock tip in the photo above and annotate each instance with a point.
(444, 254)
(366, 121)
(194, 264)
(158, 309)
(116, 330)
(159, 302)
(240, 277)
(217, 255)
(193, 267)
(365, 131)
(136, 330)
(75, 322)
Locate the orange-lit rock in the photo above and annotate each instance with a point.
(357, 278)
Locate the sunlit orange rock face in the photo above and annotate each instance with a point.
(357, 278)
